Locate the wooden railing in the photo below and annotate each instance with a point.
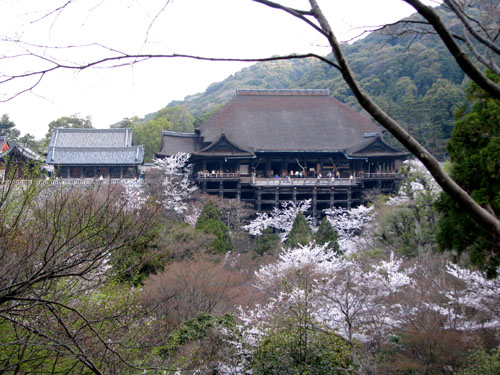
(218, 175)
(379, 176)
(313, 181)
(284, 181)
(76, 181)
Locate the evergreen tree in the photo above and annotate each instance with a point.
(326, 233)
(267, 242)
(8, 128)
(474, 150)
(301, 233)
(210, 222)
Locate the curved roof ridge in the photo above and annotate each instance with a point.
(179, 134)
(282, 92)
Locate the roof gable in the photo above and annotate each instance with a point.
(224, 146)
(373, 146)
(23, 151)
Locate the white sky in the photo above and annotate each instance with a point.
(215, 28)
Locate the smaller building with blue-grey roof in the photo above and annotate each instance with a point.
(92, 153)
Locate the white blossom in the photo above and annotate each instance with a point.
(281, 219)
(133, 196)
(192, 216)
(350, 225)
(478, 293)
(176, 183)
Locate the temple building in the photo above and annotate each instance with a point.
(16, 159)
(271, 146)
(92, 153)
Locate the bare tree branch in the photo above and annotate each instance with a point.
(131, 59)
(463, 17)
(460, 56)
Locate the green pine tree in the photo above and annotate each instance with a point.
(210, 222)
(326, 233)
(301, 233)
(474, 150)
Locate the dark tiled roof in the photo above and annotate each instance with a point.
(174, 142)
(93, 147)
(374, 146)
(133, 155)
(288, 120)
(62, 137)
(26, 152)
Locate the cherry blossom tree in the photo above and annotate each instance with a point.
(350, 224)
(280, 219)
(175, 184)
(343, 296)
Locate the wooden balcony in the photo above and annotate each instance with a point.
(76, 181)
(304, 182)
(288, 181)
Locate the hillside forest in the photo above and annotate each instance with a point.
(155, 277)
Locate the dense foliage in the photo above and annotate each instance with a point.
(209, 222)
(474, 150)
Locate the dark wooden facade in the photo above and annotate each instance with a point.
(267, 147)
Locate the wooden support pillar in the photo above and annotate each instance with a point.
(332, 197)
(294, 195)
(259, 199)
(121, 172)
(221, 189)
(349, 197)
(286, 166)
(221, 167)
(238, 194)
(203, 165)
(277, 197)
(268, 167)
(204, 187)
(315, 203)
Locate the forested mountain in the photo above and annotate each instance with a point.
(411, 75)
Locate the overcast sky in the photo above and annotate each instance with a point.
(213, 28)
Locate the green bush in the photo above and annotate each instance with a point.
(295, 350)
(209, 222)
